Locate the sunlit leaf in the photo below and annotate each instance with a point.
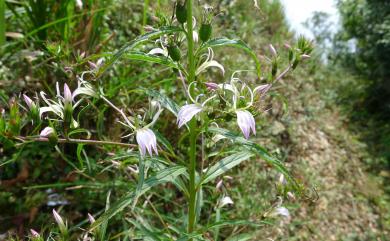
(225, 165)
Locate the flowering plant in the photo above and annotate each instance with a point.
(203, 116)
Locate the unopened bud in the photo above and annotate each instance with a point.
(211, 86)
(50, 133)
(91, 218)
(305, 56)
(205, 32)
(181, 13)
(67, 94)
(28, 101)
(34, 233)
(174, 52)
(219, 184)
(60, 222)
(273, 50)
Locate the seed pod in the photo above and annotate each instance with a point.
(205, 32)
(174, 52)
(181, 13)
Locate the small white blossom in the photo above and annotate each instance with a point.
(246, 122)
(186, 113)
(147, 141)
(226, 201)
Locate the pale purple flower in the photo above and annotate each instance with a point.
(147, 141)
(46, 132)
(211, 86)
(209, 62)
(28, 101)
(186, 113)
(246, 122)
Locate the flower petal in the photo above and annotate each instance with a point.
(186, 113)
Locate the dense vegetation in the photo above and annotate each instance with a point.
(312, 122)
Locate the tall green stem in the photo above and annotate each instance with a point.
(192, 125)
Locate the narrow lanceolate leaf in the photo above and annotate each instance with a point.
(136, 42)
(2, 22)
(258, 150)
(225, 165)
(164, 100)
(236, 43)
(164, 176)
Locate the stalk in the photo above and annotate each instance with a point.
(192, 125)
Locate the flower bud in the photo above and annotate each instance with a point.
(181, 13)
(205, 32)
(60, 222)
(34, 234)
(305, 56)
(211, 86)
(273, 50)
(50, 133)
(174, 52)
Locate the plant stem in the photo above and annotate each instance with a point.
(78, 141)
(193, 135)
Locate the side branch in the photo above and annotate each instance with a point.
(76, 141)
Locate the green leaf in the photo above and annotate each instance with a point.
(258, 150)
(225, 165)
(164, 176)
(241, 237)
(236, 43)
(164, 100)
(136, 42)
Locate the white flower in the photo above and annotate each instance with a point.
(64, 104)
(46, 132)
(281, 211)
(146, 140)
(246, 122)
(186, 113)
(209, 62)
(226, 201)
(79, 4)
